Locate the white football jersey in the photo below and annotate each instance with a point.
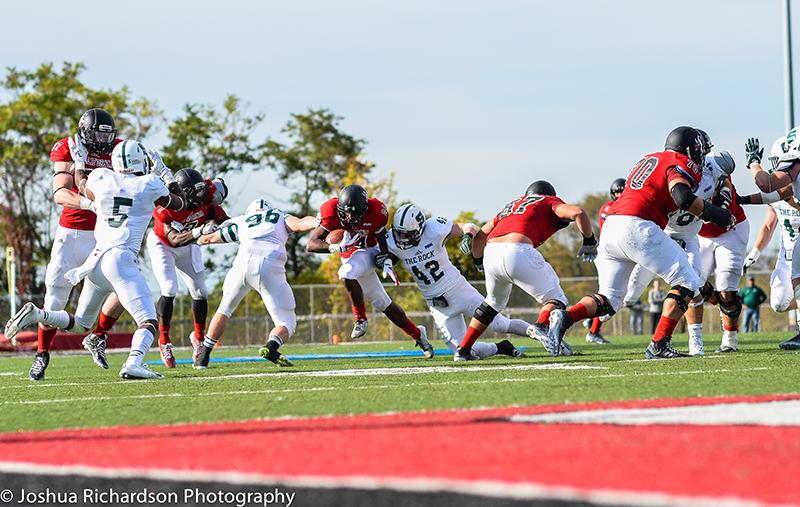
(261, 233)
(684, 225)
(125, 205)
(789, 225)
(428, 261)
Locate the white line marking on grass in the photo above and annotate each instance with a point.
(333, 388)
(494, 489)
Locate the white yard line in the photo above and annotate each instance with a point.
(335, 388)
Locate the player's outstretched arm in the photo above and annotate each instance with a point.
(682, 194)
(765, 181)
(479, 241)
(300, 225)
(316, 242)
(63, 180)
(763, 238)
(578, 215)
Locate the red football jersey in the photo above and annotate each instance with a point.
(81, 219)
(531, 215)
(373, 221)
(647, 193)
(710, 230)
(188, 218)
(605, 209)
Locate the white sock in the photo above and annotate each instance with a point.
(797, 319)
(730, 338)
(484, 349)
(275, 338)
(209, 342)
(140, 344)
(60, 319)
(517, 327)
(696, 331)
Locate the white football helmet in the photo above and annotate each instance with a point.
(792, 147)
(130, 157)
(407, 226)
(779, 147)
(257, 205)
(721, 161)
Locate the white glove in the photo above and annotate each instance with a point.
(346, 243)
(78, 152)
(206, 228)
(159, 168)
(388, 271)
(751, 258)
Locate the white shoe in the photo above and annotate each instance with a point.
(696, 346)
(537, 332)
(566, 349)
(423, 342)
(556, 332)
(138, 371)
(359, 328)
(27, 315)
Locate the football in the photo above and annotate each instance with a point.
(335, 236)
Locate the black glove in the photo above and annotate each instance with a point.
(725, 197)
(753, 151)
(478, 263)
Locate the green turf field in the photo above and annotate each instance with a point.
(78, 394)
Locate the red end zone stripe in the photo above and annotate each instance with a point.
(748, 462)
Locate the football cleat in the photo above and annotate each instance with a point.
(195, 346)
(203, 356)
(275, 357)
(25, 316)
(724, 349)
(138, 372)
(791, 344)
(662, 350)
(96, 345)
(696, 347)
(596, 338)
(555, 334)
(167, 357)
(537, 332)
(507, 348)
(40, 362)
(424, 344)
(566, 349)
(463, 354)
(359, 328)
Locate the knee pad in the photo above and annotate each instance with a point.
(682, 298)
(485, 314)
(555, 302)
(604, 306)
(732, 308)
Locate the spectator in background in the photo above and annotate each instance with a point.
(752, 297)
(655, 300)
(637, 317)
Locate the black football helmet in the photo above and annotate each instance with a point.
(689, 141)
(97, 131)
(617, 186)
(540, 187)
(352, 205)
(193, 185)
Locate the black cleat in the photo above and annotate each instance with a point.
(203, 356)
(662, 350)
(507, 348)
(274, 356)
(463, 354)
(40, 363)
(791, 344)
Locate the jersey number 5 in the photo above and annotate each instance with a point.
(118, 216)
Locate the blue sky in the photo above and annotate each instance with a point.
(466, 101)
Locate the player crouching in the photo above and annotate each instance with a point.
(124, 200)
(419, 244)
(260, 265)
(507, 247)
(173, 252)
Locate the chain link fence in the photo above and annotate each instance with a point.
(324, 314)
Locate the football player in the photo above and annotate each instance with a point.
(660, 184)
(617, 186)
(260, 265)
(785, 218)
(506, 248)
(362, 249)
(173, 251)
(124, 200)
(419, 245)
(74, 238)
